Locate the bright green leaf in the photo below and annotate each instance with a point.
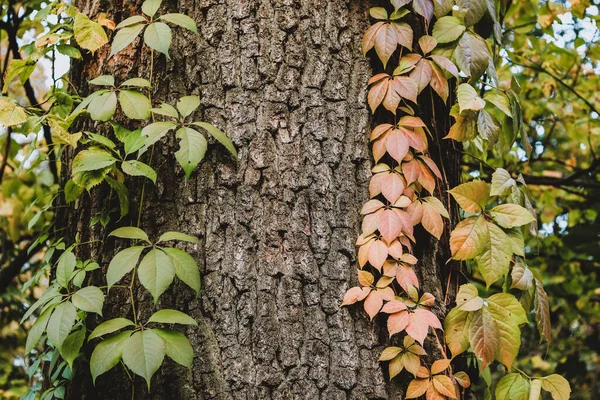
(65, 268)
(89, 35)
(130, 232)
(192, 147)
(61, 322)
(124, 37)
(90, 299)
(138, 168)
(103, 107)
(72, 345)
(218, 135)
(177, 346)
(448, 29)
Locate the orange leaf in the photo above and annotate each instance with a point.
(439, 83)
(427, 300)
(417, 388)
(440, 366)
(379, 147)
(432, 166)
(397, 145)
(370, 222)
(444, 385)
(415, 210)
(365, 278)
(406, 87)
(411, 171)
(368, 40)
(380, 130)
(386, 40)
(432, 221)
(427, 43)
(375, 183)
(411, 122)
(416, 138)
(405, 276)
(377, 94)
(363, 253)
(426, 179)
(484, 336)
(462, 379)
(395, 249)
(404, 34)
(371, 206)
(394, 306)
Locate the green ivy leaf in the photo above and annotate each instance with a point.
(511, 215)
(122, 194)
(192, 147)
(512, 387)
(138, 168)
(110, 326)
(51, 294)
(92, 159)
(501, 182)
(448, 29)
(187, 105)
(474, 10)
(172, 317)
(11, 113)
(65, 268)
(186, 268)
(156, 131)
(103, 107)
(134, 104)
(130, 232)
(61, 322)
(143, 353)
(557, 386)
(494, 260)
(136, 19)
(72, 345)
(150, 7)
(89, 299)
(468, 99)
(21, 68)
(89, 34)
(124, 37)
(181, 20)
(107, 354)
(177, 346)
(136, 82)
(167, 110)
(37, 330)
(472, 55)
(122, 263)
(156, 272)
(218, 135)
(167, 236)
(69, 51)
(157, 36)
(471, 196)
(103, 80)
(488, 127)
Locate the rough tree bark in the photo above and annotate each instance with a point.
(287, 81)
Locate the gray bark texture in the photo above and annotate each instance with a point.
(286, 80)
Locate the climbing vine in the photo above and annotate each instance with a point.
(496, 216)
(111, 155)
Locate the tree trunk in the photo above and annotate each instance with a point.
(286, 80)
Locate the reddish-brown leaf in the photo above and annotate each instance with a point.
(406, 87)
(484, 336)
(368, 40)
(445, 63)
(404, 34)
(411, 170)
(439, 83)
(377, 94)
(422, 74)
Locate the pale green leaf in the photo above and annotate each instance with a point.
(122, 263)
(469, 238)
(89, 34)
(177, 346)
(472, 55)
(186, 268)
(535, 390)
(165, 237)
(150, 7)
(144, 353)
(72, 345)
(60, 323)
(156, 272)
(92, 159)
(138, 168)
(124, 37)
(468, 99)
(157, 36)
(447, 29)
(471, 196)
(488, 127)
(136, 82)
(512, 387)
(37, 330)
(167, 316)
(103, 80)
(65, 268)
(136, 19)
(11, 114)
(181, 20)
(558, 386)
(110, 326)
(103, 107)
(494, 260)
(156, 131)
(134, 104)
(501, 182)
(192, 147)
(107, 354)
(511, 215)
(90, 299)
(187, 105)
(130, 232)
(167, 110)
(218, 135)
(474, 10)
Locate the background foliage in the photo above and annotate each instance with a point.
(548, 46)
